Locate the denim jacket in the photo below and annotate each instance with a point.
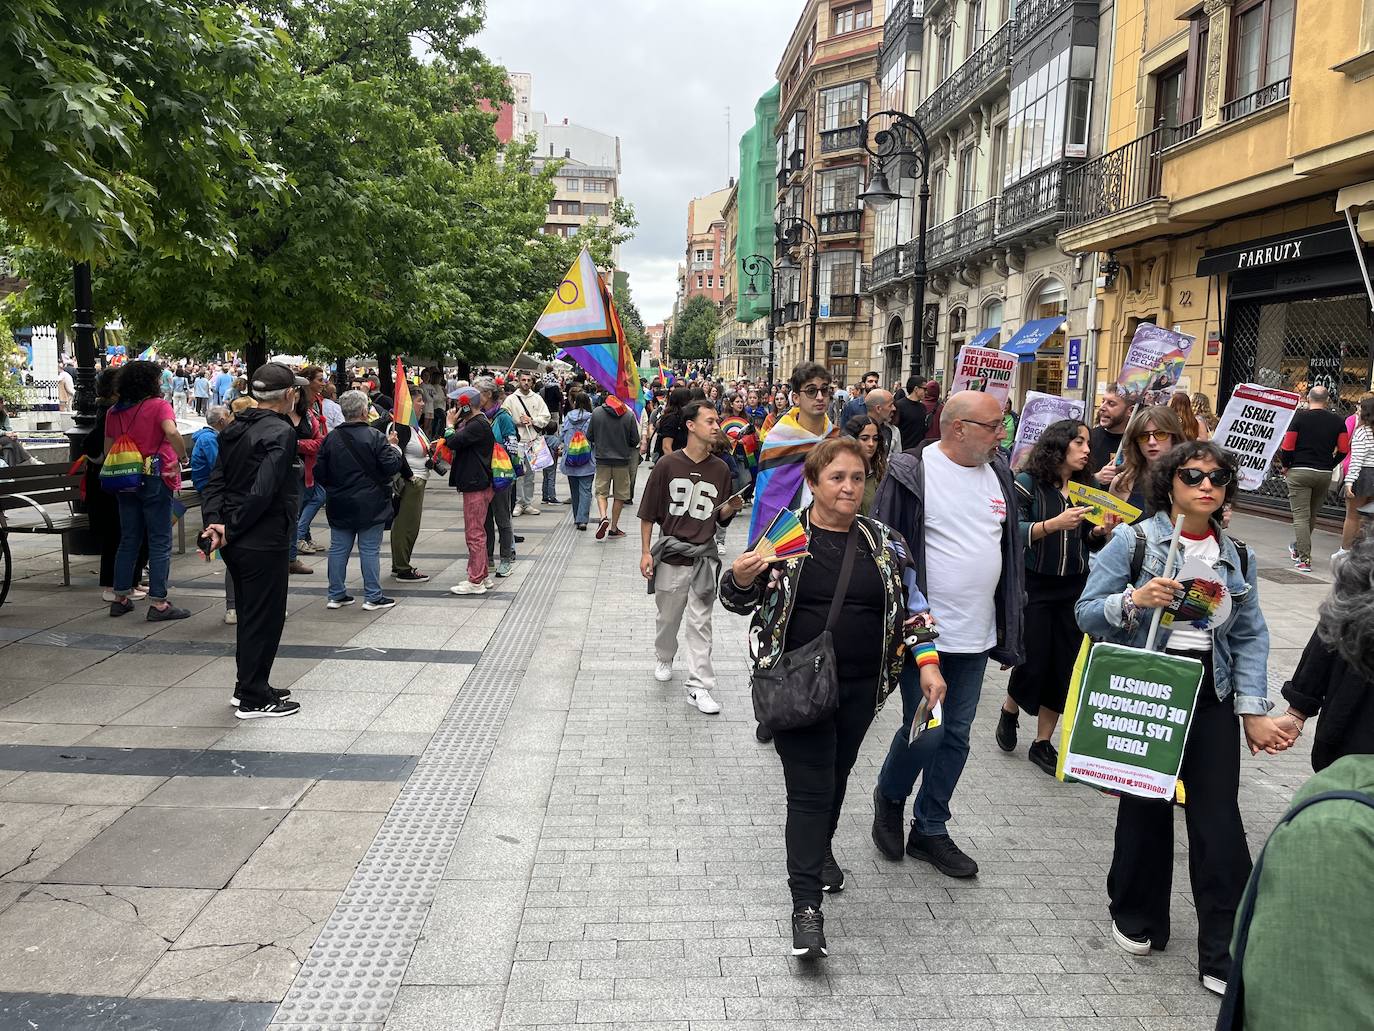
(1240, 645)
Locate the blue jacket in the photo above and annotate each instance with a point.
(1240, 645)
(203, 454)
(503, 428)
(575, 420)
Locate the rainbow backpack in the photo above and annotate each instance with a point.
(502, 468)
(123, 469)
(579, 451)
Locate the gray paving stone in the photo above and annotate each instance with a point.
(228, 792)
(37, 839)
(346, 796)
(446, 1008)
(309, 850)
(470, 935)
(87, 702)
(79, 788)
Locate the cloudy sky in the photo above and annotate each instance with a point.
(659, 74)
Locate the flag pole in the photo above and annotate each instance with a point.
(528, 337)
(1168, 572)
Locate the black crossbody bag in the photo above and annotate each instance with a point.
(803, 688)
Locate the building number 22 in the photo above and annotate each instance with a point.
(695, 499)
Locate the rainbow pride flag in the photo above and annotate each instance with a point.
(402, 407)
(780, 483)
(582, 321)
(502, 468)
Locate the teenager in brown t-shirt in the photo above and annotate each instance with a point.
(687, 496)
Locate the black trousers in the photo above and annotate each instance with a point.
(1141, 875)
(259, 579)
(816, 761)
(499, 525)
(102, 509)
(1052, 640)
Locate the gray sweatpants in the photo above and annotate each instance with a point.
(678, 605)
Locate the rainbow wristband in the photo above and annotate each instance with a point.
(926, 655)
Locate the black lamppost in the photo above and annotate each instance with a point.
(902, 138)
(783, 227)
(82, 540)
(753, 266)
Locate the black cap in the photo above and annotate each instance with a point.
(274, 376)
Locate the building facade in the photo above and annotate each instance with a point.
(705, 270)
(1218, 211)
(827, 81)
(1005, 97)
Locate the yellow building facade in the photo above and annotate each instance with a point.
(1237, 133)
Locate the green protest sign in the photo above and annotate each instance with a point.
(1131, 712)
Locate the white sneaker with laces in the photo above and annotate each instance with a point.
(531, 510)
(701, 698)
(137, 594)
(231, 617)
(663, 672)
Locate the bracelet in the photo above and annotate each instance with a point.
(926, 655)
(1129, 610)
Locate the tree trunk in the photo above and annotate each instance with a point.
(255, 351)
(385, 381)
(340, 375)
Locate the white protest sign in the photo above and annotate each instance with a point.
(1154, 363)
(1252, 427)
(1039, 411)
(985, 369)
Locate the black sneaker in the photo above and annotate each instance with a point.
(272, 711)
(887, 825)
(158, 615)
(517, 538)
(412, 576)
(281, 696)
(808, 934)
(1006, 731)
(832, 877)
(942, 853)
(762, 734)
(1043, 754)
(338, 603)
(119, 608)
(381, 603)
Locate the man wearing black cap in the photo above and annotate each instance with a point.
(251, 505)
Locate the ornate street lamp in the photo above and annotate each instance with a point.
(902, 143)
(782, 227)
(754, 265)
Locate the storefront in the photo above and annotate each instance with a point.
(1296, 316)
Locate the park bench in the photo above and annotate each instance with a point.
(40, 499)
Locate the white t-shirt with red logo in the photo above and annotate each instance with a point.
(965, 511)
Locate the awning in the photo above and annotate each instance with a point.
(1027, 340)
(981, 340)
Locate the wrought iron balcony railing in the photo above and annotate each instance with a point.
(987, 67)
(1116, 181)
(848, 138)
(965, 233)
(1260, 99)
(830, 223)
(783, 174)
(1179, 133)
(889, 265)
(844, 306)
(1035, 200)
(899, 16)
(1032, 15)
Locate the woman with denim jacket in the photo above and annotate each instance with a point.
(1193, 480)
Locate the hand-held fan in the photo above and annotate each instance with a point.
(785, 538)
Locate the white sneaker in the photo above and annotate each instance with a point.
(531, 510)
(137, 594)
(702, 699)
(1135, 946)
(489, 584)
(230, 617)
(517, 509)
(1215, 985)
(663, 672)
(468, 587)
(307, 547)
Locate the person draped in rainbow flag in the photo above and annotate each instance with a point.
(779, 482)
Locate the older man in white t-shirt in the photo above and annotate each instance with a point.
(954, 503)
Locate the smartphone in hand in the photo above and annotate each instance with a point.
(203, 546)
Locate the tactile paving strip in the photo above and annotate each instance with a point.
(352, 974)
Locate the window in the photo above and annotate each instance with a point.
(1169, 95)
(999, 160)
(571, 184)
(976, 33)
(945, 58)
(968, 182)
(1048, 114)
(992, 317)
(839, 190)
(839, 275)
(700, 256)
(710, 282)
(601, 210)
(699, 281)
(1080, 103)
(796, 139)
(937, 196)
(595, 186)
(843, 106)
(851, 18)
(892, 90)
(1262, 50)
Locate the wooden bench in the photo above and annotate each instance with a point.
(40, 499)
(190, 497)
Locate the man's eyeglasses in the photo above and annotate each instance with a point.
(1194, 477)
(814, 390)
(992, 427)
(1149, 435)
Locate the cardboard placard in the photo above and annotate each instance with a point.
(1100, 502)
(1039, 411)
(1154, 363)
(985, 369)
(1252, 427)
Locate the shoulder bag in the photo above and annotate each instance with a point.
(803, 687)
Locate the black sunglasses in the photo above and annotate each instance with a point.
(1194, 477)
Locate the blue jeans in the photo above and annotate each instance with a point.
(939, 754)
(550, 484)
(312, 500)
(581, 488)
(369, 540)
(146, 512)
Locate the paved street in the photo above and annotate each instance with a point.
(488, 814)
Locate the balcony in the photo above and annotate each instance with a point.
(844, 306)
(783, 173)
(1118, 192)
(835, 140)
(789, 312)
(1034, 201)
(1033, 15)
(966, 233)
(837, 223)
(901, 15)
(1175, 134)
(796, 161)
(988, 68)
(1257, 101)
(888, 267)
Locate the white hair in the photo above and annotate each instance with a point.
(354, 404)
(218, 415)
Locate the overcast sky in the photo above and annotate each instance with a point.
(660, 75)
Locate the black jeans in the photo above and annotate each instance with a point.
(259, 579)
(816, 761)
(499, 524)
(103, 512)
(1141, 875)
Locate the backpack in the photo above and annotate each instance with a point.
(125, 466)
(579, 451)
(1138, 556)
(503, 473)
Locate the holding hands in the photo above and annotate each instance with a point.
(1263, 733)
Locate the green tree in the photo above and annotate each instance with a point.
(694, 333)
(630, 318)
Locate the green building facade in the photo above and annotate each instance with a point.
(755, 201)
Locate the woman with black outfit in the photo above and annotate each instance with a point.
(672, 431)
(1058, 540)
(792, 604)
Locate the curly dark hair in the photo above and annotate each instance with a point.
(857, 425)
(138, 381)
(1345, 621)
(1160, 487)
(1048, 455)
(107, 382)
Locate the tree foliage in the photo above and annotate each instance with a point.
(694, 332)
(630, 318)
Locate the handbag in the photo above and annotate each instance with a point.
(803, 688)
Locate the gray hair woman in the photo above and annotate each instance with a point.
(1336, 673)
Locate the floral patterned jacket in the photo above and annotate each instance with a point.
(770, 599)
